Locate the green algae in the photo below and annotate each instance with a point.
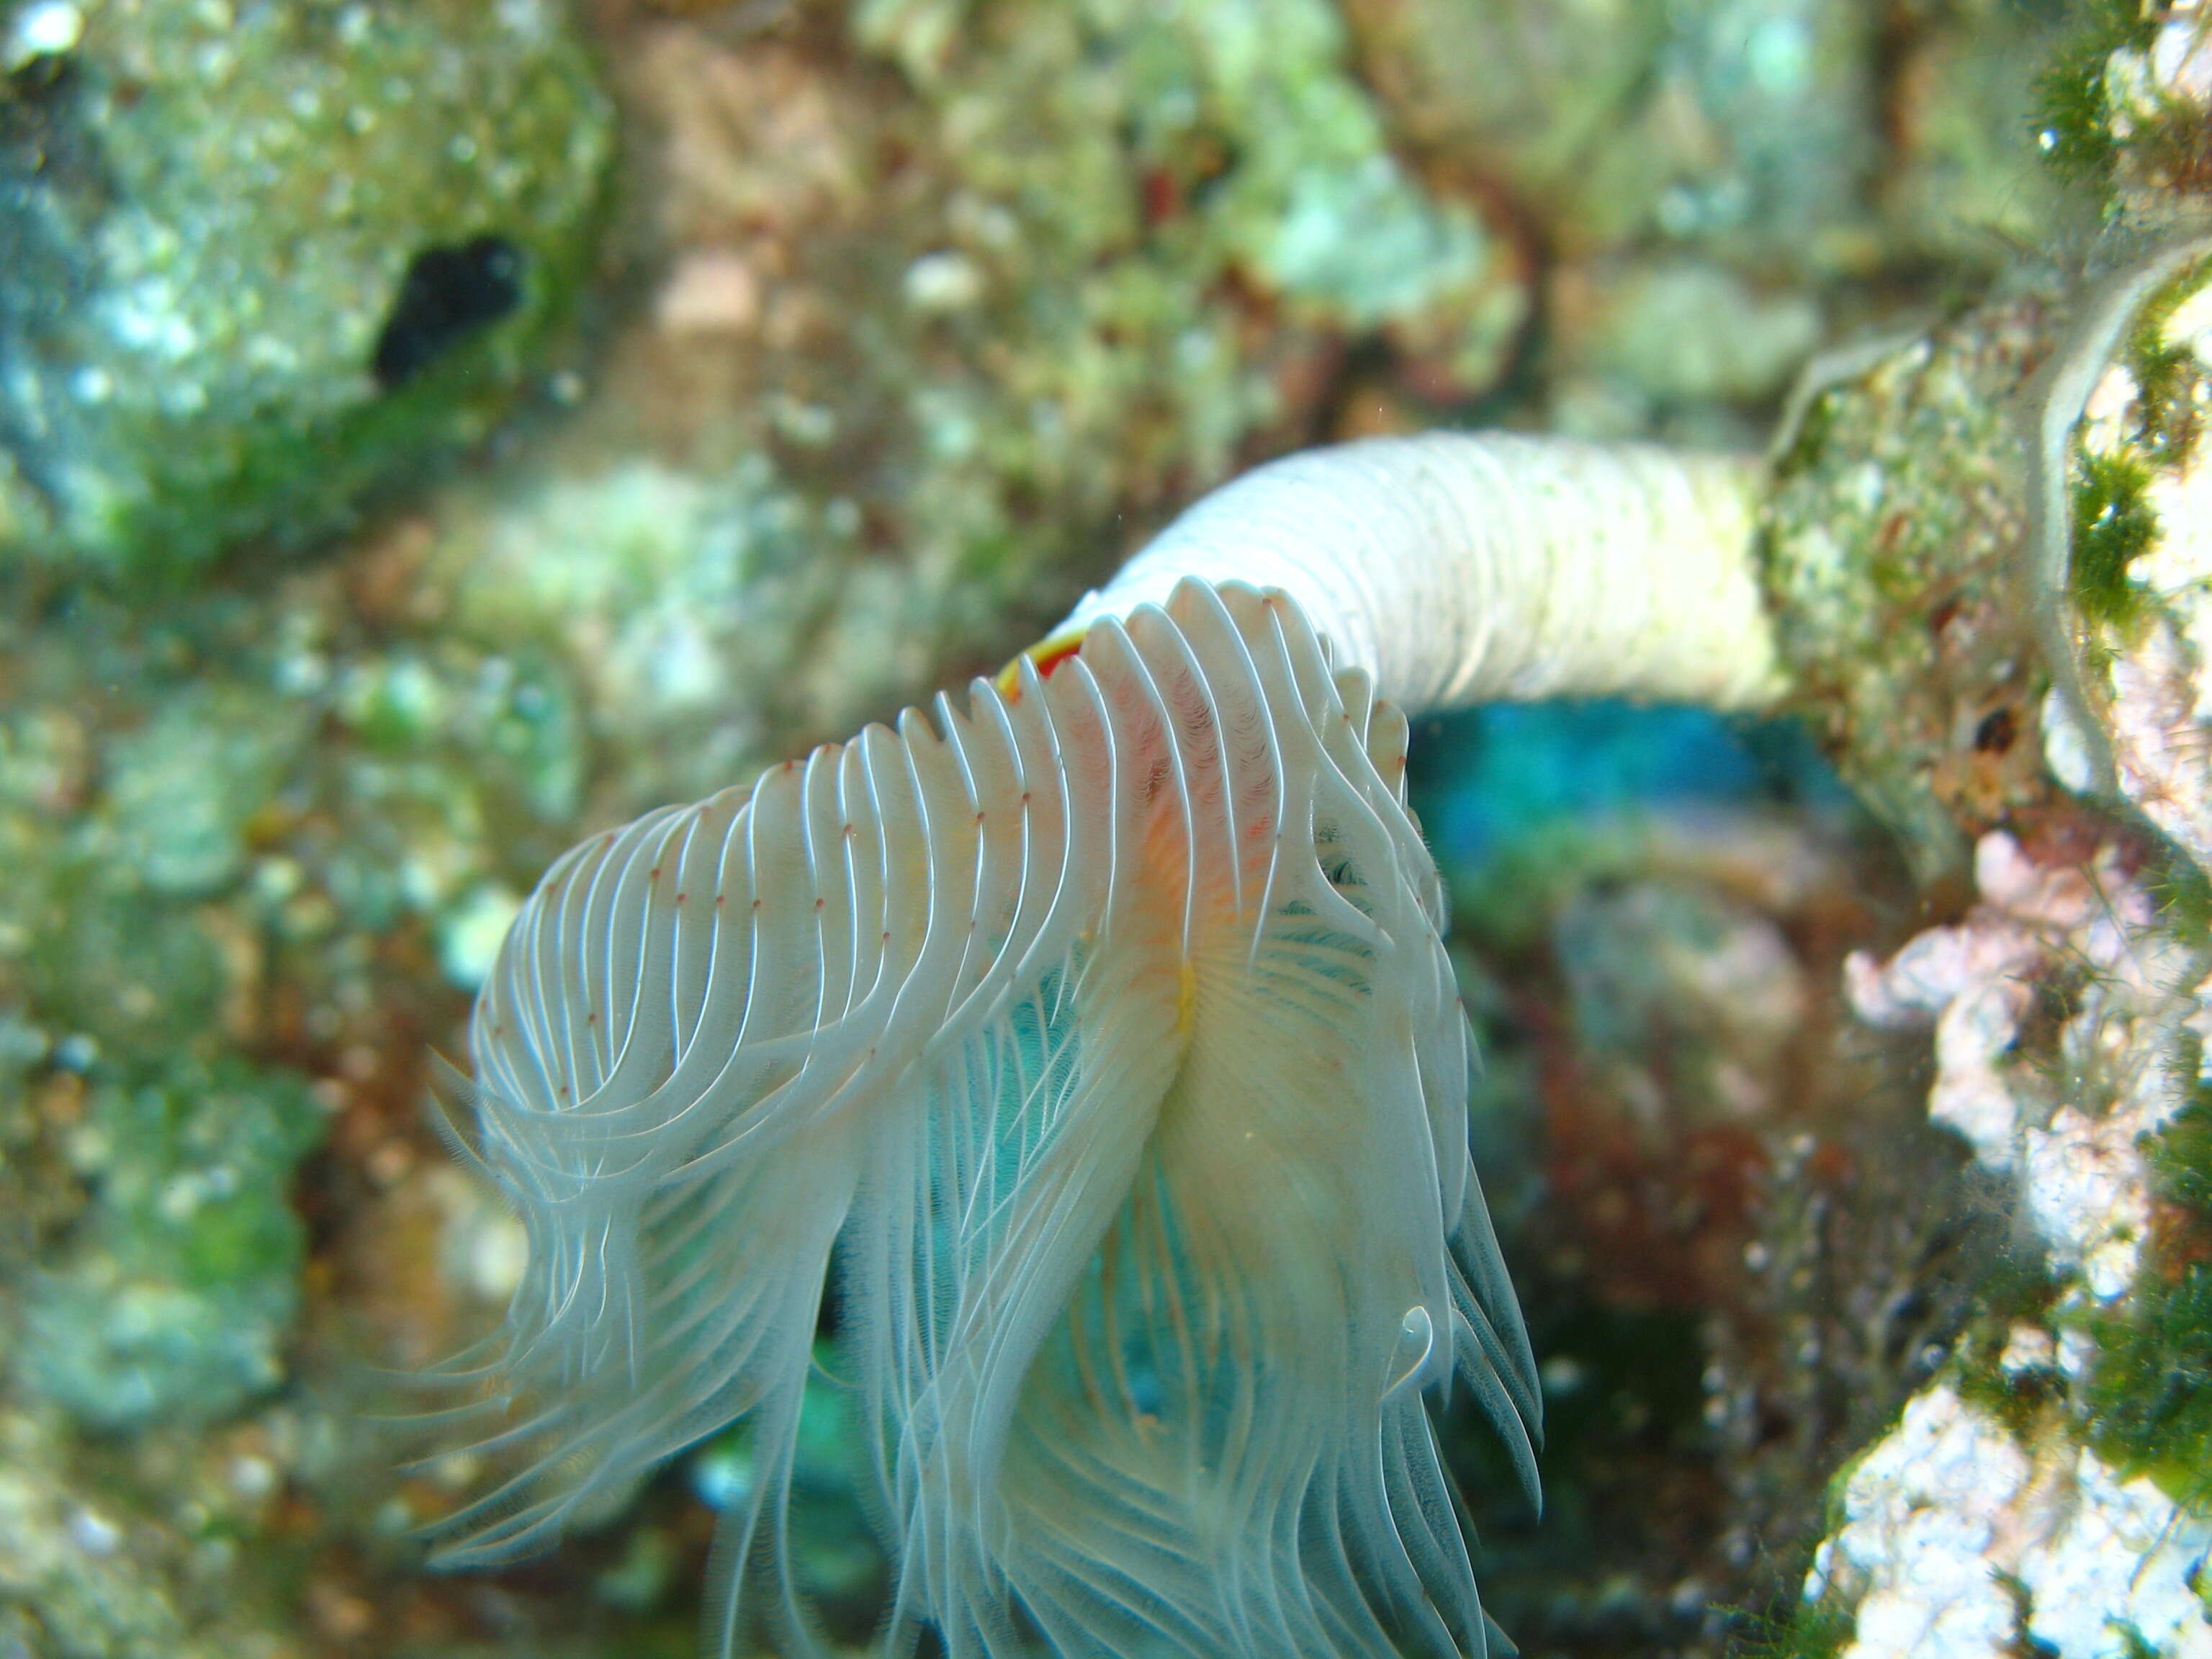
(2104, 118)
(2113, 520)
(221, 222)
(2167, 373)
(1819, 1629)
(2183, 893)
(2150, 1395)
(1890, 548)
(176, 1289)
(2113, 523)
(2073, 97)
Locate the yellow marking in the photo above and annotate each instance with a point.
(1187, 998)
(1048, 653)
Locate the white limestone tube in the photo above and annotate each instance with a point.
(1461, 568)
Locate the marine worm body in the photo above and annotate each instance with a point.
(1464, 568)
(1099, 1037)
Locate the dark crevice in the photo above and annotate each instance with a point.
(448, 295)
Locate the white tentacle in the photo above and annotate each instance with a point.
(1099, 1036)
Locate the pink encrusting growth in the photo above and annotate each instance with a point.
(1100, 1038)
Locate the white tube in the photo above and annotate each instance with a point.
(1462, 567)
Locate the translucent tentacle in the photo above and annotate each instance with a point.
(1100, 1033)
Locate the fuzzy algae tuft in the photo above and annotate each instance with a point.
(2074, 102)
(2151, 1392)
(2112, 525)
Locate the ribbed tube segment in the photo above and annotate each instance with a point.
(1459, 568)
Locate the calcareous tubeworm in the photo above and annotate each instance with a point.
(1098, 1036)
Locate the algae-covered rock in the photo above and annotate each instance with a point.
(1821, 134)
(1894, 548)
(259, 255)
(2047, 1492)
(1157, 226)
(2134, 597)
(184, 787)
(954, 299)
(1742, 123)
(1962, 1536)
(1963, 183)
(683, 616)
(1661, 335)
(1722, 184)
(1254, 150)
(2122, 106)
(95, 1566)
(179, 1283)
(118, 823)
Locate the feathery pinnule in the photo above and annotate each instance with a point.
(1100, 1036)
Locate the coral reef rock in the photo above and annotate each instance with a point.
(1958, 1541)
(258, 256)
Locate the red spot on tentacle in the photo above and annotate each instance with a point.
(1046, 657)
(1049, 658)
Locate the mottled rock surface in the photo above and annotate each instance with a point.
(261, 256)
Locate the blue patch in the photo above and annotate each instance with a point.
(1490, 778)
